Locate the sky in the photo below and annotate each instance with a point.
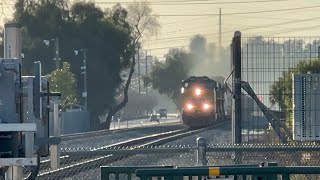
(181, 19)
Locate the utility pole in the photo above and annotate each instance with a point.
(84, 67)
(220, 33)
(146, 69)
(146, 63)
(57, 58)
(139, 70)
(84, 72)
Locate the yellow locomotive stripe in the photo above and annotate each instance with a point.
(214, 171)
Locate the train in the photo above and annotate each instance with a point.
(204, 102)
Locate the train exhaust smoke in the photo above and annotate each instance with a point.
(209, 59)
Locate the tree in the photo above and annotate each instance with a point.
(142, 24)
(83, 25)
(167, 76)
(63, 81)
(281, 90)
(139, 104)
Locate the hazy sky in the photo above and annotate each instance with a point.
(301, 20)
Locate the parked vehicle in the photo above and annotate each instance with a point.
(154, 117)
(163, 113)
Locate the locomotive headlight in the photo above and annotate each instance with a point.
(206, 106)
(198, 91)
(189, 106)
(182, 90)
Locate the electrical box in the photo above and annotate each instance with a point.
(306, 107)
(10, 105)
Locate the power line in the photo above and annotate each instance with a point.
(283, 23)
(6, 3)
(263, 17)
(2, 11)
(295, 29)
(192, 2)
(240, 13)
(208, 3)
(268, 35)
(272, 33)
(166, 47)
(249, 28)
(202, 18)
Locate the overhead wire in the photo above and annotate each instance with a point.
(2, 11)
(268, 35)
(239, 13)
(197, 29)
(208, 3)
(174, 2)
(308, 28)
(6, 3)
(249, 28)
(250, 17)
(272, 33)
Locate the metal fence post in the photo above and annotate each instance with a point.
(201, 151)
(14, 173)
(237, 85)
(55, 149)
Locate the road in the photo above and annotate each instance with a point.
(141, 123)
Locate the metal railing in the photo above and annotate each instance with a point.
(269, 173)
(107, 171)
(207, 158)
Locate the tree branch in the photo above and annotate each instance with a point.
(115, 109)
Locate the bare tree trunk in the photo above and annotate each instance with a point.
(119, 106)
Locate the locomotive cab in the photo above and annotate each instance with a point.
(199, 101)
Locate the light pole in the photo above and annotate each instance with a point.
(84, 72)
(57, 52)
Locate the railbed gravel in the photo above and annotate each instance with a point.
(117, 137)
(221, 134)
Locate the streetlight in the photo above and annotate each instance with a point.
(57, 53)
(84, 72)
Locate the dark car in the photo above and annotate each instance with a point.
(163, 113)
(154, 117)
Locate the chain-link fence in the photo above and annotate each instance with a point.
(85, 163)
(271, 67)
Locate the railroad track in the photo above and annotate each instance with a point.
(68, 170)
(74, 136)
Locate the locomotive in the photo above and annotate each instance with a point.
(202, 101)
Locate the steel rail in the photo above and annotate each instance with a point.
(152, 140)
(73, 136)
